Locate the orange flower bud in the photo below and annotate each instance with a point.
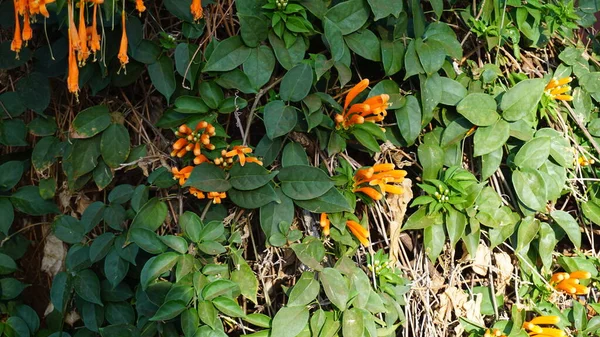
(581, 274)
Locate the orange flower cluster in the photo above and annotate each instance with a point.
(382, 175)
(534, 329)
(196, 10)
(493, 333)
(583, 161)
(361, 233)
(558, 88)
(28, 9)
(325, 224)
(569, 282)
(194, 140)
(183, 174)
(372, 110)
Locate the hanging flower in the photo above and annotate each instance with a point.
(239, 151)
(73, 75)
(216, 197)
(371, 110)
(139, 5)
(196, 10)
(17, 42)
(123, 47)
(558, 88)
(359, 231)
(382, 175)
(84, 52)
(325, 224)
(569, 283)
(197, 193)
(93, 32)
(42, 7)
(182, 174)
(27, 31)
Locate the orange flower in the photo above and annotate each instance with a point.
(17, 42)
(123, 46)
(42, 7)
(197, 193)
(139, 5)
(359, 231)
(84, 52)
(199, 159)
(196, 10)
(325, 224)
(217, 196)
(534, 328)
(494, 333)
(254, 160)
(73, 76)
(192, 140)
(545, 320)
(182, 174)
(557, 89)
(371, 110)
(382, 175)
(583, 161)
(569, 283)
(95, 37)
(27, 32)
(239, 151)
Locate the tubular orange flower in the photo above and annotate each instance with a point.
(42, 8)
(372, 110)
(382, 175)
(17, 42)
(581, 275)
(180, 144)
(139, 5)
(569, 283)
(196, 10)
(545, 320)
(557, 277)
(359, 231)
(123, 46)
(239, 151)
(369, 191)
(532, 327)
(73, 34)
(27, 32)
(84, 52)
(365, 173)
(557, 88)
(254, 160)
(552, 332)
(325, 223)
(182, 174)
(357, 89)
(199, 159)
(95, 37)
(73, 75)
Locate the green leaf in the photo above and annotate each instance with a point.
(353, 324)
(456, 222)
(522, 99)
(528, 229)
(151, 216)
(228, 306)
(259, 320)
(115, 267)
(13, 107)
(392, 53)
(229, 54)
(434, 239)
(246, 280)
(289, 321)
(336, 287)
(304, 291)
(169, 310)
(163, 77)
(431, 157)
(119, 313)
(83, 157)
(44, 153)
(114, 145)
(60, 291)
(293, 154)
(431, 55)
(8, 215)
(10, 174)
(279, 118)
(34, 91)
(68, 229)
(348, 16)
(590, 82)
(431, 96)
(147, 240)
(534, 153)
(28, 315)
(157, 266)
(191, 225)
(304, 183)
(186, 64)
(40, 126)
(331, 202)
(453, 91)
(479, 109)
(420, 219)
(100, 246)
(382, 8)
(408, 118)
(250, 176)
(310, 252)
(27, 200)
(335, 39)
(211, 94)
(569, 225)
(7, 264)
(235, 79)
(531, 188)
(177, 243)
(16, 327)
(296, 83)
(273, 213)
(364, 43)
(218, 288)
(490, 163)
(120, 194)
(208, 178)
(253, 198)
(13, 132)
(259, 66)
(442, 33)
(287, 57)
(92, 121)
(491, 138)
(87, 286)
(190, 105)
